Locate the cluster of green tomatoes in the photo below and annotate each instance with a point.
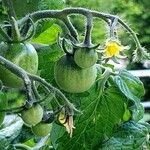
(25, 56)
(74, 73)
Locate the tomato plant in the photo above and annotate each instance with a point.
(60, 83)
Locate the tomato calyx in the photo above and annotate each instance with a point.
(66, 45)
(13, 33)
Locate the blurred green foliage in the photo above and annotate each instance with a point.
(135, 12)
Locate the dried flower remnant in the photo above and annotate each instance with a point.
(67, 121)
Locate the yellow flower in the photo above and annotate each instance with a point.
(113, 48)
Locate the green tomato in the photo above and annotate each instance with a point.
(21, 54)
(85, 57)
(71, 78)
(42, 129)
(3, 105)
(33, 115)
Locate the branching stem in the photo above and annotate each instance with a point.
(88, 30)
(61, 14)
(135, 38)
(22, 74)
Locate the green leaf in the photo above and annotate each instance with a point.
(3, 105)
(129, 85)
(47, 59)
(100, 115)
(51, 4)
(49, 36)
(130, 136)
(29, 6)
(57, 132)
(42, 25)
(137, 111)
(9, 133)
(25, 135)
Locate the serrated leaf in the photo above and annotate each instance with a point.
(129, 85)
(49, 36)
(9, 133)
(100, 115)
(130, 136)
(137, 111)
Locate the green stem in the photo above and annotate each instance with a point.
(42, 100)
(15, 30)
(8, 4)
(113, 33)
(4, 35)
(70, 27)
(22, 74)
(63, 15)
(28, 37)
(89, 26)
(22, 146)
(53, 90)
(103, 80)
(134, 36)
(82, 11)
(35, 91)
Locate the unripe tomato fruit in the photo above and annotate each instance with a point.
(21, 54)
(85, 57)
(33, 115)
(42, 129)
(71, 78)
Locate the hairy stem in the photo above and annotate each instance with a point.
(52, 89)
(22, 74)
(8, 4)
(82, 11)
(89, 26)
(131, 32)
(4, 35)
(63, 15)
(70, 27)
(113, 25)
(103, 80)
(15, 30)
